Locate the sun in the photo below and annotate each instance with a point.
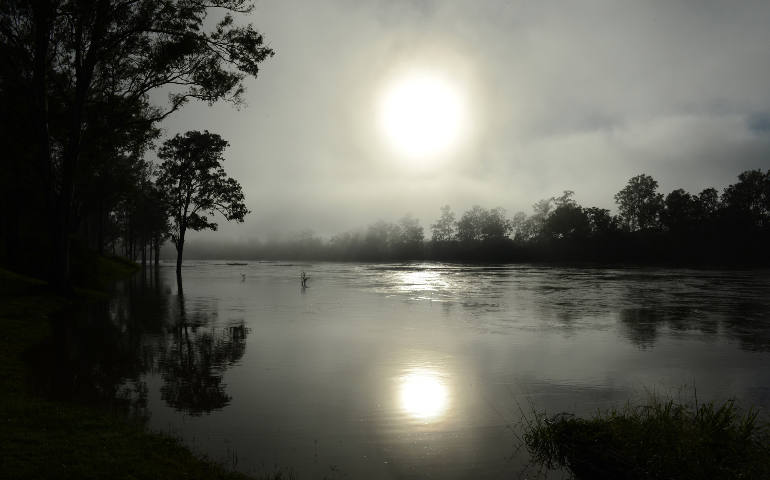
(422, 115)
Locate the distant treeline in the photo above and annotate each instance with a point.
(725, 228)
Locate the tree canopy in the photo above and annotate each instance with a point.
(196, 185)
(639, 203)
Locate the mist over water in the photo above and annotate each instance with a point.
(401, 370)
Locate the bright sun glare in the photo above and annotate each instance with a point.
(423, 395)
(421, 115)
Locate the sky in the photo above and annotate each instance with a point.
(551, 96)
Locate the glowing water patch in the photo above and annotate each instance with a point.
(423, 395)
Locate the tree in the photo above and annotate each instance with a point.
(600, 221)
(380, 238)
(747, 202)
(568, 220)
(565, 199)
(520, 224)
(196, 185)
(536, 221)
(469, 225)
(412, 235)
(444, 228)
(639, 203)
(494, 224)
(708, 204)
(76, 55)
(680, 211)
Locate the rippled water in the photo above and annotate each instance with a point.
(415, 370)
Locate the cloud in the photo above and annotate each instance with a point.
(578, 96)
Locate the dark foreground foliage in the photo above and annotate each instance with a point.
(663, 439)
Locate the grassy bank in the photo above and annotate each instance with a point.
(661, 439)
(46, 439)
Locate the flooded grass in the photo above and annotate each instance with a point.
(660, 439)
(47, 439)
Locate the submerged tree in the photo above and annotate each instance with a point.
(196, 185)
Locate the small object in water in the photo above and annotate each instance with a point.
(303, 279)
(243, 277)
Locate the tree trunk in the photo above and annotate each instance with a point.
(100, 228)
(43, 18)
(179, 250)
(85, 63)
(157, 251)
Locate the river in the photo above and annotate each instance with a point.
(406, 370)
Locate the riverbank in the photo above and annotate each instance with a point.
(41, 438)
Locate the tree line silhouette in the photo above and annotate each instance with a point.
(78, 120)
(708, 228)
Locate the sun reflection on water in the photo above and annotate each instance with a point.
(423, 394)
(420, 281)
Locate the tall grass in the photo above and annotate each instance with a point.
(660, 439)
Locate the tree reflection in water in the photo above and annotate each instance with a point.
(193, 360)
(102, 352)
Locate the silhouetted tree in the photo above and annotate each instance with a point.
(494, 224)
(541, 210)
(444, 228)
(520, 225)
(708, 204)
(565, 199)
(76, 55)
(748, 201)
(568, 220)
(680, 211)
(529, 228)
(639, 203)
(380, 236)
(600, 221)
(412, 232)
(470, 224)
(196, 185)
(411, 237)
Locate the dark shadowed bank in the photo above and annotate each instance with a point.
(661, 439)
(42, 438)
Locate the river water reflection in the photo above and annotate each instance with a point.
(399, 371)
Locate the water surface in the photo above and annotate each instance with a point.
(407, 370)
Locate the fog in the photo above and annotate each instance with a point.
(577, 96)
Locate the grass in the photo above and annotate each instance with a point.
(660, 439)
(47, 439)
